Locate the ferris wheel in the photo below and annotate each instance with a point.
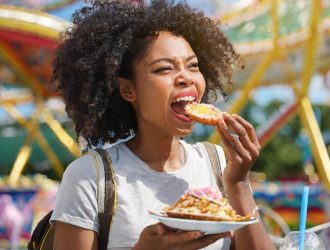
(279, 41)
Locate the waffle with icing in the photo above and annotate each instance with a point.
(203, 113)
(197, 206)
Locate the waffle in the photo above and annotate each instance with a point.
(202, 208)
(203, 113)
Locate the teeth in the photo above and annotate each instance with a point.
(184, 98)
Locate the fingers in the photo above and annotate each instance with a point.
(155, 229)
(228, 146)
(221, 123)
(182, 237)
(164, 238)
(245, 147)
(245, 142)
(233, 143)
(204, 241)
(183, 240)
(249, 129)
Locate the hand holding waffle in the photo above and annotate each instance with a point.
(242, 145)
(242, 149)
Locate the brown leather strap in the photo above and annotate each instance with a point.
(104, 229)
(109, 185)
(105, 219)
(216, 165)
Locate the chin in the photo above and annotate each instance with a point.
(184, 132)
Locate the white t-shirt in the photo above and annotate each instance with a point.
(139, 188)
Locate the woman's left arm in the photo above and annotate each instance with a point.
(242, 150)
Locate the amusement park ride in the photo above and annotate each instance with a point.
(280, 42)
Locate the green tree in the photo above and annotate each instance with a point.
(283, 155)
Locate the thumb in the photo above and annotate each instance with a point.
(156, 229)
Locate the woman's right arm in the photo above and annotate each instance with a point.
(75, 216)
(69, 237)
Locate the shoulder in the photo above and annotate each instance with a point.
(90, 161)
(76, 200)
(85, 164)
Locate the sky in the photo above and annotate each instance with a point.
(319, 92)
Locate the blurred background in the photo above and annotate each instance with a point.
(283, 90)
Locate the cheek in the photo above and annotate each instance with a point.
(156, 87)
(201, 85)
(152, 90)
(152, 96)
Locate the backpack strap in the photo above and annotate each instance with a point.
(43, 235)
(216, 165)
(106, 217)
(106, 197)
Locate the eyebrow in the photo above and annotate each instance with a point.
(165, 59)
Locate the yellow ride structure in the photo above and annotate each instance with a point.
(31, 36)
(309, 40)
(38, 30)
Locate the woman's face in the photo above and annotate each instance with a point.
(165, 80)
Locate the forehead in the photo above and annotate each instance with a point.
(168, 45)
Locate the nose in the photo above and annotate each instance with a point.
(184, 78)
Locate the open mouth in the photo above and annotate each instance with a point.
(178, 106)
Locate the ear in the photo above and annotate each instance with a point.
(126, 89)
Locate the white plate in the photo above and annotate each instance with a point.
(209, 227)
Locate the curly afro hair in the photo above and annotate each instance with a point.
(104, 41)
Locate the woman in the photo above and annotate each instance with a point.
(126, 68)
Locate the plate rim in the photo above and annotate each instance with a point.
(159, 216)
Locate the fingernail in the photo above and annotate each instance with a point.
(222, 124)
(198, 234)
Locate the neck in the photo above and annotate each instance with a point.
(161, 153)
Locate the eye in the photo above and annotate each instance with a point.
(194, 65)
(163, 69)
